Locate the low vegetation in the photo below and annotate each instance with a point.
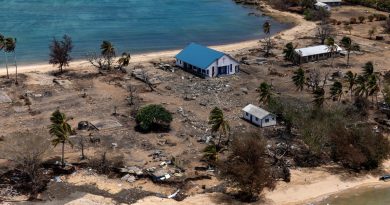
(153, 118)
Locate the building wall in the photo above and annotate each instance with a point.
(223, 61)
(269, 120)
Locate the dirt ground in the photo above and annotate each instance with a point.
(188, 98)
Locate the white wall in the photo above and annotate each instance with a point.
(223, 61)
(271, 121)
(260, 122)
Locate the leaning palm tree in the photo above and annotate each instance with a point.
(124, 60)
(10, 45)
(332, 47)
(362, 88)
(336, 91)
(347, 43)
(319, 97)
(108, 51)
(373, 87)
(265, 91)
(61, 130)
(351, 80)
(299, 79)
(219, 124)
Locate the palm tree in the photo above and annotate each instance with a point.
(219, 123)
(108, 51)
(373, 87)
(10, 45)
(2, 47)
(288, 51)
(319, 97)
(349, 46)
(362, 87)
(267, 31)
(332, 47)
(336, 91)
(351, 79)
(265, 91)
(299, 78)
(124, 60)
(61, 130)
(368, 69)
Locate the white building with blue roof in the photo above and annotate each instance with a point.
(206, 62)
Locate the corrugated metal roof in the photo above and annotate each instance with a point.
(321, 4)
(314, 50)
(330, 1)
(199, 56)
(256, 111)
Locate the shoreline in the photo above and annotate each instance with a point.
(299, 26)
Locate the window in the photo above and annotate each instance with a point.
(247, 114)
(257, 119)
(266, 120)
(207, 72)
(231, 68)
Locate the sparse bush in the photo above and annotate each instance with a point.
(386, 25)
(106, 162)
(358, 147)
(153, 117)
(338, 22)
(361, 19)
(370, 18)
(27, 150)
(246, 167)
(353, 21)
(316, 15)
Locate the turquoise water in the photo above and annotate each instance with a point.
(132, 25)
(366, 196)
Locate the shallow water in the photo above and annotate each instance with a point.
(365, 196)
(132, 25)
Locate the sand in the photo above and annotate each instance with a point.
(300, 29)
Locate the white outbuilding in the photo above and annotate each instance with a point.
(319, 5)
(206, 62)
(315, 53)
(258, 116)
(331, 2)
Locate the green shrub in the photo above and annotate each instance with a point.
(153, 117)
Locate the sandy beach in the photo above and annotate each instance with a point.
(301, 27)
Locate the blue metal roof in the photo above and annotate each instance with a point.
(198, 55)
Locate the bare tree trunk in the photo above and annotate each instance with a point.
(16, 71)
(63, 154)
(6, 64)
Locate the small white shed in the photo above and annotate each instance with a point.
(258, 116)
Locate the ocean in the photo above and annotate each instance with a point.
(364, 196)
(136, 26)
